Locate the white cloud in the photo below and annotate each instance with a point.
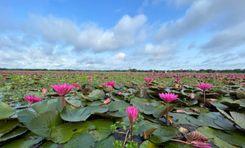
(214, 13)
(159, 50)
(120, 56)
(227, 39)
(179, 3)
(128, 31)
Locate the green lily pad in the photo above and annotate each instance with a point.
(180, 118)
(5, 111)
(216, 120)
(28, 140)
(239, 118)
(7, 126)
(223, 139)
(99, 129)
(81, 114)
(106, 143)
(76, 102)
(40, 124)
(163, 134)
(148, 144)
(47, 105)
(83, 139)
(145, 105)
(96, 95)
(13, 134)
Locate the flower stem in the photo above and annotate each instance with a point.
(177, 140)
(63, 102)
(131, 131)
(204, 97)
(126, 138)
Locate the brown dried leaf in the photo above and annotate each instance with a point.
(148, 132)
(196, 136)
(183, 130)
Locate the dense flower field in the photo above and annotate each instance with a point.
(121, 109)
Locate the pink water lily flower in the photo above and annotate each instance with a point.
(148, 80)
(168, 97)
(110, 84)
(204, 86)
(62, 89)
(107, 101)
(32, 99)
(132, 113)
(44, 91)
(76, 85)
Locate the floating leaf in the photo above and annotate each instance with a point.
(163, 134)
(216, 120)
(5, 111)
(7, 126)
(239, 119)
(28, 140)
(40, 124)
(106, 143)
(64, 132)
(96, 95)
(223, 139)
(81, 114)
(13, 134)
(83, 139)
(148, 144)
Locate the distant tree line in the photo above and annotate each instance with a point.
(136, 70)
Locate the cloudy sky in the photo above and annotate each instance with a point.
(122, 34)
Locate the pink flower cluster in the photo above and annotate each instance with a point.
(62, 89)
(132, 113)
(204, 86)
(148, 80)
(110, 84)
(168, 97)
(32, 99)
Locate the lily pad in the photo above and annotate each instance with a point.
(81, 114)
(83, 139)
(239, 119)
(96, 95)
(7, 126)
(5, 111)
(28, 140)
(13, 134)
(223, 139)
(163, 134)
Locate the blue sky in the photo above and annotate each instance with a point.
(122, 34)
